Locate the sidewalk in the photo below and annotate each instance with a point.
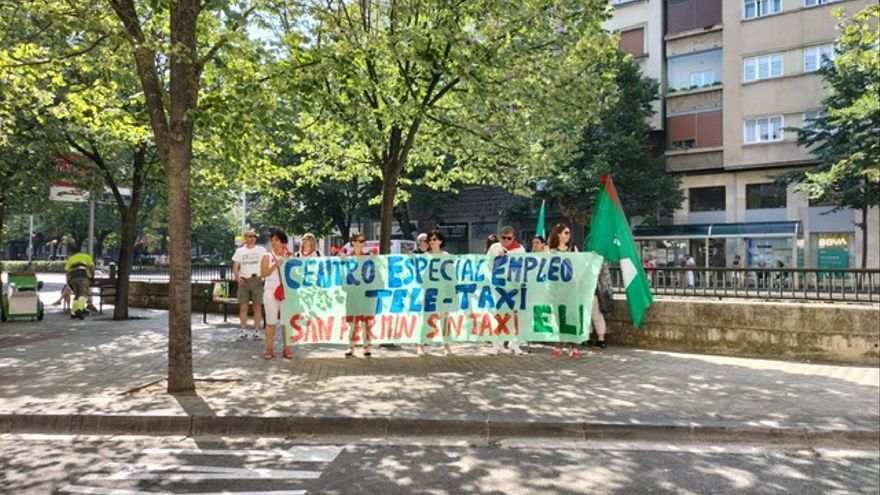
(64, 367)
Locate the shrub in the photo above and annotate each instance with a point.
(34, 266)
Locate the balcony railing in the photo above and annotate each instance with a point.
(763, 283)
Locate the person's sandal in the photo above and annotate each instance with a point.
(367, 353)
(287, 353)
(269, 354)
(349, 354)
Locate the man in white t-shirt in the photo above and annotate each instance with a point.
(507, 244)
(246, 267)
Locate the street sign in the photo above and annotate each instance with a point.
(67, 193)
(454, 231)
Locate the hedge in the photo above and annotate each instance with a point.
(34, 266)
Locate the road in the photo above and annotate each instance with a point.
(42, 464)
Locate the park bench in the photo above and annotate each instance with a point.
(224, 293)
(102, 288)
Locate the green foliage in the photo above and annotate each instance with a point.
(41, 266)
(389, 88)
(845, 137)
(618, 144)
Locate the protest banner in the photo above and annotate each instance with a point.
(400, 299)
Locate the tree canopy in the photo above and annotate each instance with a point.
(502, 86)
(845, 134)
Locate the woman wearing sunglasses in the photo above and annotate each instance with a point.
(358, 248)
(436, 243)
(560, 242)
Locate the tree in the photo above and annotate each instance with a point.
(845, 137)
(397, 86)
(618, 144)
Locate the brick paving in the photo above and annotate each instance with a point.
(59, 366)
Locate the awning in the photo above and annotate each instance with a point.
(718, 230)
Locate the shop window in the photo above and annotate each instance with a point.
(707, 198)
(759, 196)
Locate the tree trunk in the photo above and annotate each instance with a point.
(390, 176)
(184, 92)
(403, 220)
(126, 260)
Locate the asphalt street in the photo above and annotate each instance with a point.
(42, 464)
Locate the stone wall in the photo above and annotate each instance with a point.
(846, 333)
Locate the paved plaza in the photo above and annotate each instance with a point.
(103, 367)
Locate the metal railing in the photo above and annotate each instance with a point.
(752, 283)
(762, 283)
(200, 272)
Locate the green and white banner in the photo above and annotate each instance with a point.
(425, 298)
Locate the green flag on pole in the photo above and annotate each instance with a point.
(540, 229)
(610, 236)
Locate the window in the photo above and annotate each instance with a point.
(705, 78)
(763, 67)
(765, 196)
(813, 3)
(815, 57)
(694, 70)
(760, 8)
(687, 15)
(695, 130)
(810, 119)
(763, 130)
(633, 42)
(706, 198)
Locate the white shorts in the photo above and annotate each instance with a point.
(272, 307)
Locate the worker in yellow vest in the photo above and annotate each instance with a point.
(80, 269)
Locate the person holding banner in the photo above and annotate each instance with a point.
(308, 247)
(506, 245)
(538, 244)
(358, 243)
(270, 269)
(560, 241)
(436, 242)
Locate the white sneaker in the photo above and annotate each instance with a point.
(256, 335)
(496, 348)
(242, 336)
(516, 349)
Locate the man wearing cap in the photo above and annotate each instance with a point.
(246, 267)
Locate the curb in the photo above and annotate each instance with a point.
(396, 428)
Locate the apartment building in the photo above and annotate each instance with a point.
(737, 73)
(639, 24)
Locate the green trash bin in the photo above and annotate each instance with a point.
(21, 298)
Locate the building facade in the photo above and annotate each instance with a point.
(734, 75)
(738, 73)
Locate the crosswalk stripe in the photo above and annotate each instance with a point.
(317, 453)
(190, 473)
(91, 490)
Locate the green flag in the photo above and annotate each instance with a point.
(540, 229)
(610, 236)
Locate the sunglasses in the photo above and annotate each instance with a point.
(251, 236)
(358, 240)
(566, 232)
(507, 237)
(434, 239)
